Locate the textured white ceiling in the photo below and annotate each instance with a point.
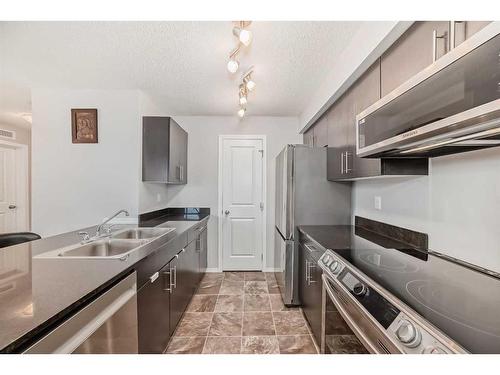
(181, 64)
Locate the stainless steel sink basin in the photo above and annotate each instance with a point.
(102, 248)
(141, 233)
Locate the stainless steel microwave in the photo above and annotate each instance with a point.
(452, 106)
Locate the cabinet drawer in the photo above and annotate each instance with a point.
(195, 231)
(157, 259)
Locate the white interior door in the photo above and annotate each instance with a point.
(242, 204)
(8, 220)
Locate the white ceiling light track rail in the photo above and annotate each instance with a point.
(247, 84)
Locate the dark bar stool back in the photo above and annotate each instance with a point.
(10, 239)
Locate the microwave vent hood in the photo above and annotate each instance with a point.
(450, 107)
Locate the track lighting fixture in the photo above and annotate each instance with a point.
(247, 84)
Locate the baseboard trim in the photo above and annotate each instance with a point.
(269, 269)
(215, 269)
(212, 270)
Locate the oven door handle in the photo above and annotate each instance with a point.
(345, 315)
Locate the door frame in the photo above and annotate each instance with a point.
(22, 183)
(220, 217)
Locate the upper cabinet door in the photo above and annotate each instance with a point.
(155, 149)
(337, 133)
(413, 52)
(321, 132)
(366, 92)
(177, 171)
(463, 30)
(309, 137)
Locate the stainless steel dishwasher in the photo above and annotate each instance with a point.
(108, 325)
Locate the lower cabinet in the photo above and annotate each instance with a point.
(311, 287)
(166, 293)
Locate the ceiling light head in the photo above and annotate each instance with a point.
(243, 95)
(248, 81)
(250, 84)
(233, 65)
(244, 36)
(241, 112)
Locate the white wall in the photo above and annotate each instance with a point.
(201, 190)
(458, 205)
(77, 185)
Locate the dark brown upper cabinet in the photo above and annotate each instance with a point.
(317, 135)
(342, 162)
(309, 137)
(413, 52)
(422, 44)
(164, 151)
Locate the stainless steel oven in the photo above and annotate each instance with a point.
(337, 337)
(370, 317)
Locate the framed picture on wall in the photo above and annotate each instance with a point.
(84, 125)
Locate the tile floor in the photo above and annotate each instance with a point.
(241, 312)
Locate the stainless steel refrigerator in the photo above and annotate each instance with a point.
(303, 197)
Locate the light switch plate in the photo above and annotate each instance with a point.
(378, 202)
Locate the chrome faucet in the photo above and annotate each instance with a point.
(100, 226)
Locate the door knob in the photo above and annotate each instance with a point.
(12, 206)
(227, 212)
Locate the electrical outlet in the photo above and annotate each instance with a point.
(378, 202)
(158, 197)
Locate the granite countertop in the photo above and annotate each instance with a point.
(35, 288)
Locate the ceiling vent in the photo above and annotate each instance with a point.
(7, 134)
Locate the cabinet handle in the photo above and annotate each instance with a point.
(154, 276)
(310, 248)
(169, 289)
(435, 37)
(341, 163)
(311, 265)
(347, 169)
(173, 275)
(307, 272)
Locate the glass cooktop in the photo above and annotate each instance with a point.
(462, 302)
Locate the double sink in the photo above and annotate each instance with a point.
(116, 245)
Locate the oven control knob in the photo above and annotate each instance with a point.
(408, 334)
(359, 289)
(327, 259)
(335, 267)
(433, 350)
